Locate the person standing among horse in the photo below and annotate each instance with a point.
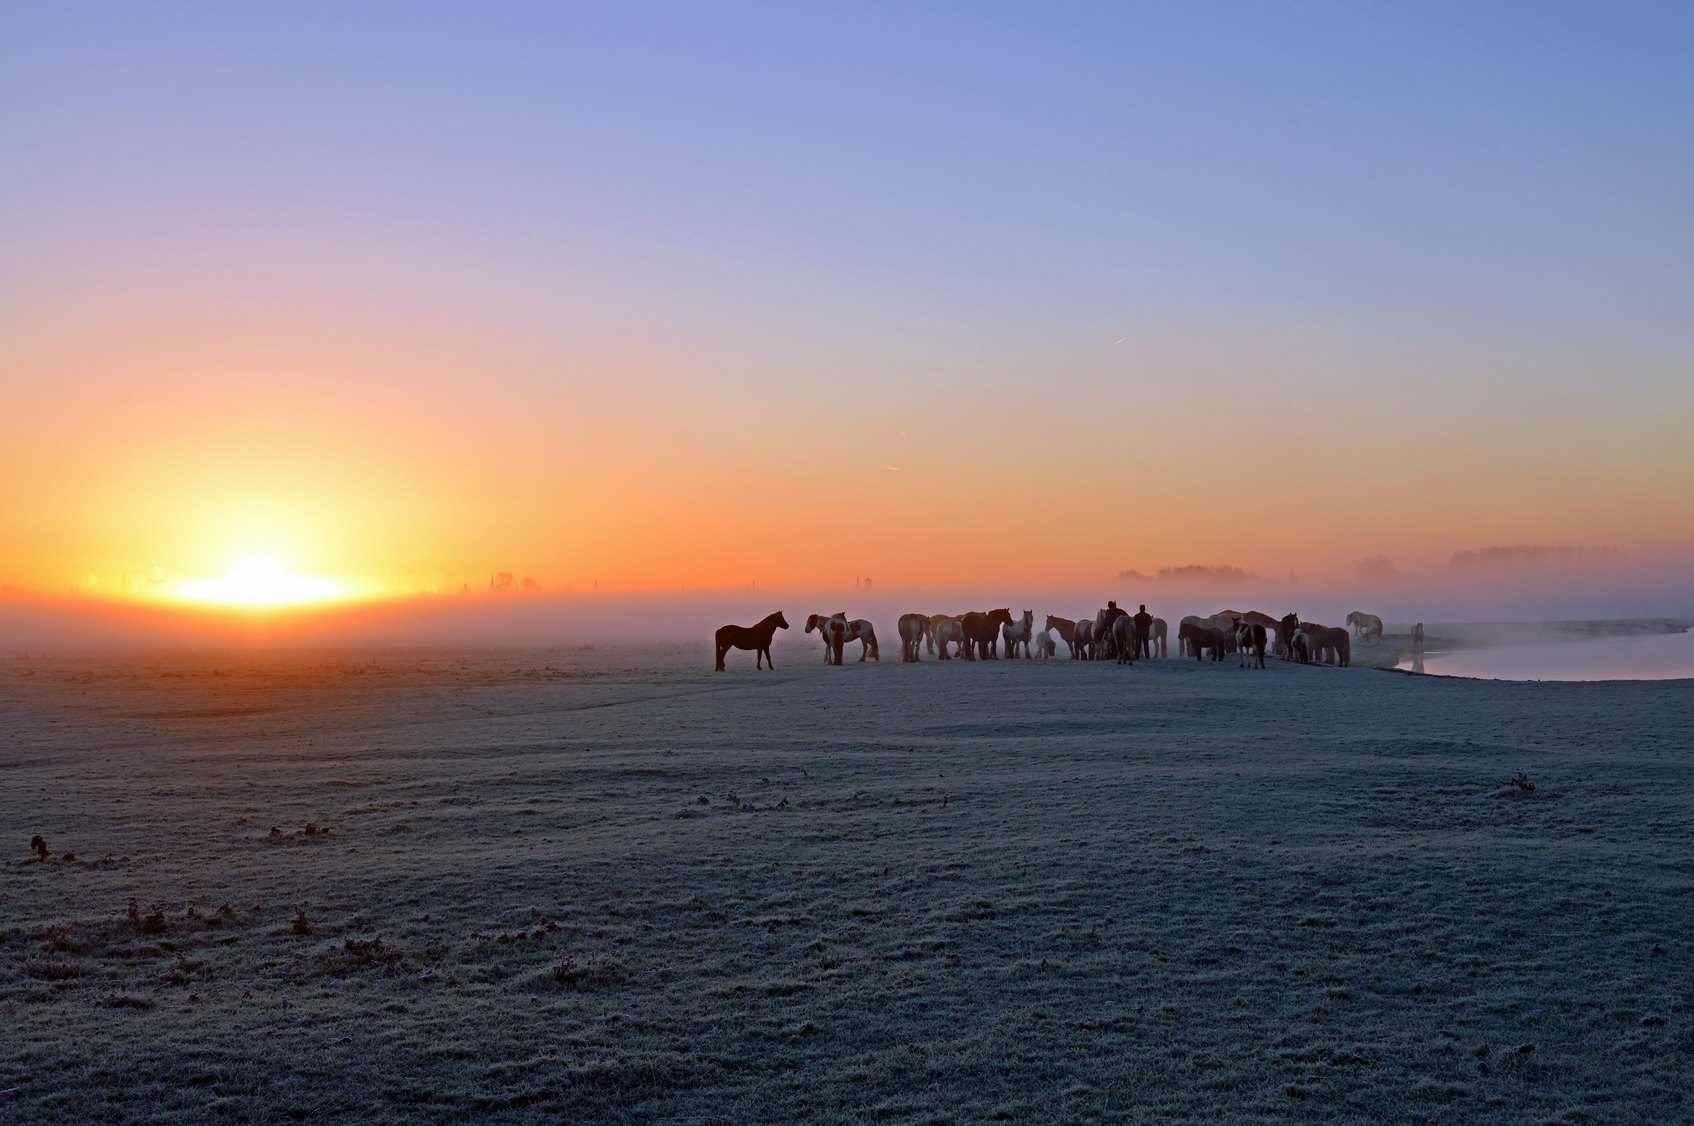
(1143, 632)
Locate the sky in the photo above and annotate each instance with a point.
(682, 296)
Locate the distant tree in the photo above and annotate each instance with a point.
(500, 580)
(1376, 567)
(529, 585)
(1133, 576)
(1531, 555)
(1207, 571)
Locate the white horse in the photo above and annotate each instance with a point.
(1018, 633)
(948, 630)
(1045, 646)
(1366, 626)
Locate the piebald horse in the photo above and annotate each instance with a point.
(1249, 638)
(1018, 633)
(836, 630)
(757, 638)
(1082, 647)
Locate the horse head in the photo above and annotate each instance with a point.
(781, 622)
(1002, 615)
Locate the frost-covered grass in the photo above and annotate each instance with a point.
(609, 885)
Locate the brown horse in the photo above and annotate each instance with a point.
(757, 638)
(1285, 631)
(1195, 638)
(1066, 629)
(913, 629)
(1334, 640)
(982, 631)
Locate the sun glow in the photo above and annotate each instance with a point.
(259, 580)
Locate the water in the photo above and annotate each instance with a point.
(1651, 657)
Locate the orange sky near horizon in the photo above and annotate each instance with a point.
(404, 459)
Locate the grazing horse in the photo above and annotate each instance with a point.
(1367, 626)
(945, 631)
(1082, 644)
(1199, 638)
(1045, 646)
(1183, 634)
(1337, 641)
(857, 629)
(757, 638)
(1330, 643)
(1018, 633)
(1125, 639)
(1300, 648)
(1066, 629)
(982, 632)
(1161, 638)
(1224, 622)
(1249, 637)
(913, 629)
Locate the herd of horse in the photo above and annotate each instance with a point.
(1112, 634)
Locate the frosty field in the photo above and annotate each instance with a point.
(607, 884)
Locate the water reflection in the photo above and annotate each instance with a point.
(1650, 657)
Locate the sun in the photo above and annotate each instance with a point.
(259, 580)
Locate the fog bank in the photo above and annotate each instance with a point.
(29, 625)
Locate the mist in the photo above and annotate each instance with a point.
(1614, 589)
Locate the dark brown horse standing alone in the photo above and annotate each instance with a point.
(750, 637)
